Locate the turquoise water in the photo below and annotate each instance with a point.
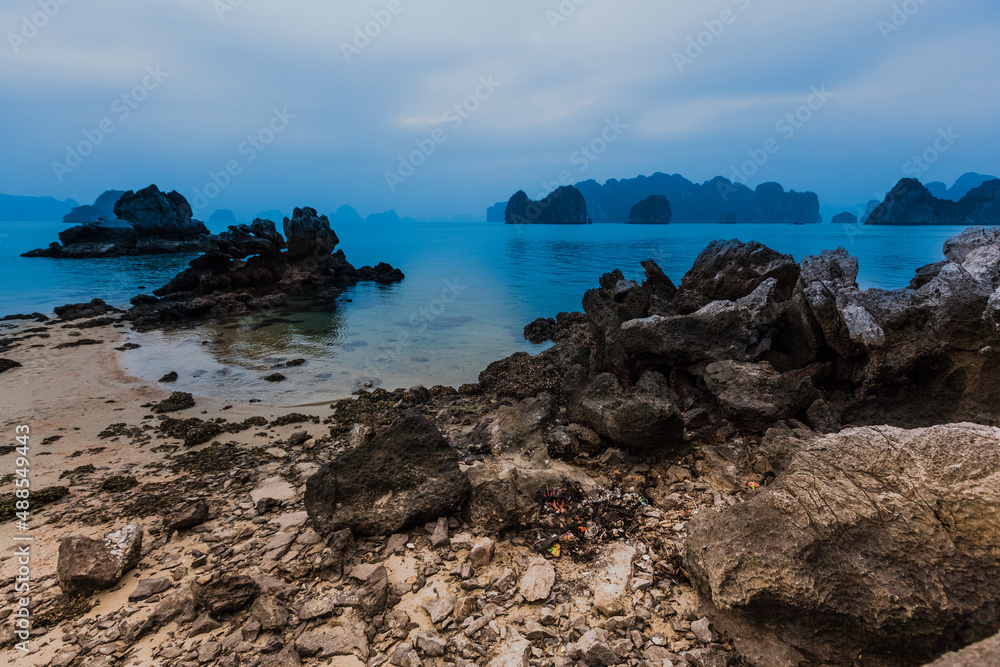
(469, 291)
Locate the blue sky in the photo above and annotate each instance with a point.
(454, 105)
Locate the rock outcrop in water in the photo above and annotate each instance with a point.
(749, 362)
(563, 206)
(252, 267)
(104, 207)
(147, 222)
(653, 210)
(717, 200)
(910, 203)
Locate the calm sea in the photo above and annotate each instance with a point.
(469, 291)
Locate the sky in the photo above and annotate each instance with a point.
(443, 107)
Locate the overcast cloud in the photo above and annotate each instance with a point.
(214, 73)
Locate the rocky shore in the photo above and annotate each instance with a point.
(764, 465)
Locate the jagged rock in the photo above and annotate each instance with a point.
(87, 565)
(565, 205)
(645, 418)
(227, 593)
(594, 649)
(147, 222)
(520, 376)
(189, 517)
(430, 643)
(270, 613)
(308, 235)
(178, 400)
(147, 588)
(653, 210)
(537, 581)
(79, 311)
(404, 476)
(439, 538)
(514, 652)
(325, 641)
(756, 396)
(873, 539)
(316, 609)
(612, 573)
(481, 553)
(381, 273)
(440, 608)
(731, 270)
(374, 590)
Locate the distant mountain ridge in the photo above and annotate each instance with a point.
(717, 200)
(965, 184)
(15, 208)
(912, 203)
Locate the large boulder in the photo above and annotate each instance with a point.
(147, 222)
(876, 541)
(156, 214)
(731, 270)
(86, 565)
(645, 417)
(565, 205)
(755, 396)
(405, 476)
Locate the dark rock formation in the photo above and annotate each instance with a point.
(845, 219)
(405, 476)
(346, 215)
(731, 270)
(104, 207)
(79, 311)
(718, 200)
(653, 210)
(873, 542)
(87, 565)
(147, 222)
(910, 203)
(496, 212)
(751, 337)
(565, 205)
(8, 364)
(221, 283)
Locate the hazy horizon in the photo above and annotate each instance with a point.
(835, 99)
